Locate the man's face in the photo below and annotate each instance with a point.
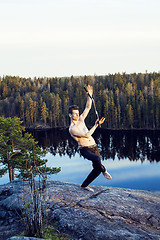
(75, 115)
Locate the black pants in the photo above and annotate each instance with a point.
(92, 153)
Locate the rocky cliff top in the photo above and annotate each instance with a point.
(108, 213)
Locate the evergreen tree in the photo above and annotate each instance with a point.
(130, 116)
(35, 111)
(31, 110)
(44, 113)
(27, 116)
(10, 142)
(56, 110)
(5, 90)
(22, 111)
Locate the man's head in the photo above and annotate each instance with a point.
(74, 112)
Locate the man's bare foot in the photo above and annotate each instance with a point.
(88, 189)
(107, 175)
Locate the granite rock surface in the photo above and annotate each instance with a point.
(108, 213)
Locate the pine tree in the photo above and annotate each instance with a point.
(27, 116)
(106, 112)
(10, 141)
(5, 91)
(22, 114)
(31, 110)
(56, 111)
(130, 116)
(35, 111)
(44, 113)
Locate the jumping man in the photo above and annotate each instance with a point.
(86, 142)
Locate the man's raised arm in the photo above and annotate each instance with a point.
(89, 102)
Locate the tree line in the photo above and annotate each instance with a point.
(125, 100)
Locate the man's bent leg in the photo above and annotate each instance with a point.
(93, 155)
(93, 174)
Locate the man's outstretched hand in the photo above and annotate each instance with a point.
(100, 121)
(90, 90)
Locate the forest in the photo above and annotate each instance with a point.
(127, 101)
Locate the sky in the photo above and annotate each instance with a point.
(58, 38)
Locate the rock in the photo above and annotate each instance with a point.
(24, 238)
(108, 213)
(39, 126)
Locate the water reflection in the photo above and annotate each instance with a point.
(131, 157)
(132, 144)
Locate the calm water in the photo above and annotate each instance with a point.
(131, 157)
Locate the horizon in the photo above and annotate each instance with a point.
(87, 75)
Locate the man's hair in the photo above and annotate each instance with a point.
(73, 107)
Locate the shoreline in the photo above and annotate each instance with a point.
(102, 128)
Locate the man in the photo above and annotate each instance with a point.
(86, 142)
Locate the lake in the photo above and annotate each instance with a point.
(132, 157)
